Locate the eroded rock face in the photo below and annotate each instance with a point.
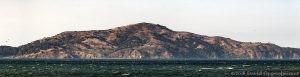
(6, 51)
(149, 41)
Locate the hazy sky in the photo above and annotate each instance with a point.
(275, 21)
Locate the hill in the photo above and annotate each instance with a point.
(147, 41)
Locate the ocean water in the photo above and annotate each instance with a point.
(147, 68)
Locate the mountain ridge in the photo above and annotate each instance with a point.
(147, 41)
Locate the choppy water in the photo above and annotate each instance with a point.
(149, 68)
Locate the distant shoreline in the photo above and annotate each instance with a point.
(143, 61)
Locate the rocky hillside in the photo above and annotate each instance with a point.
(148, 41)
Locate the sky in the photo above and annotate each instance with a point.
(266, 21)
